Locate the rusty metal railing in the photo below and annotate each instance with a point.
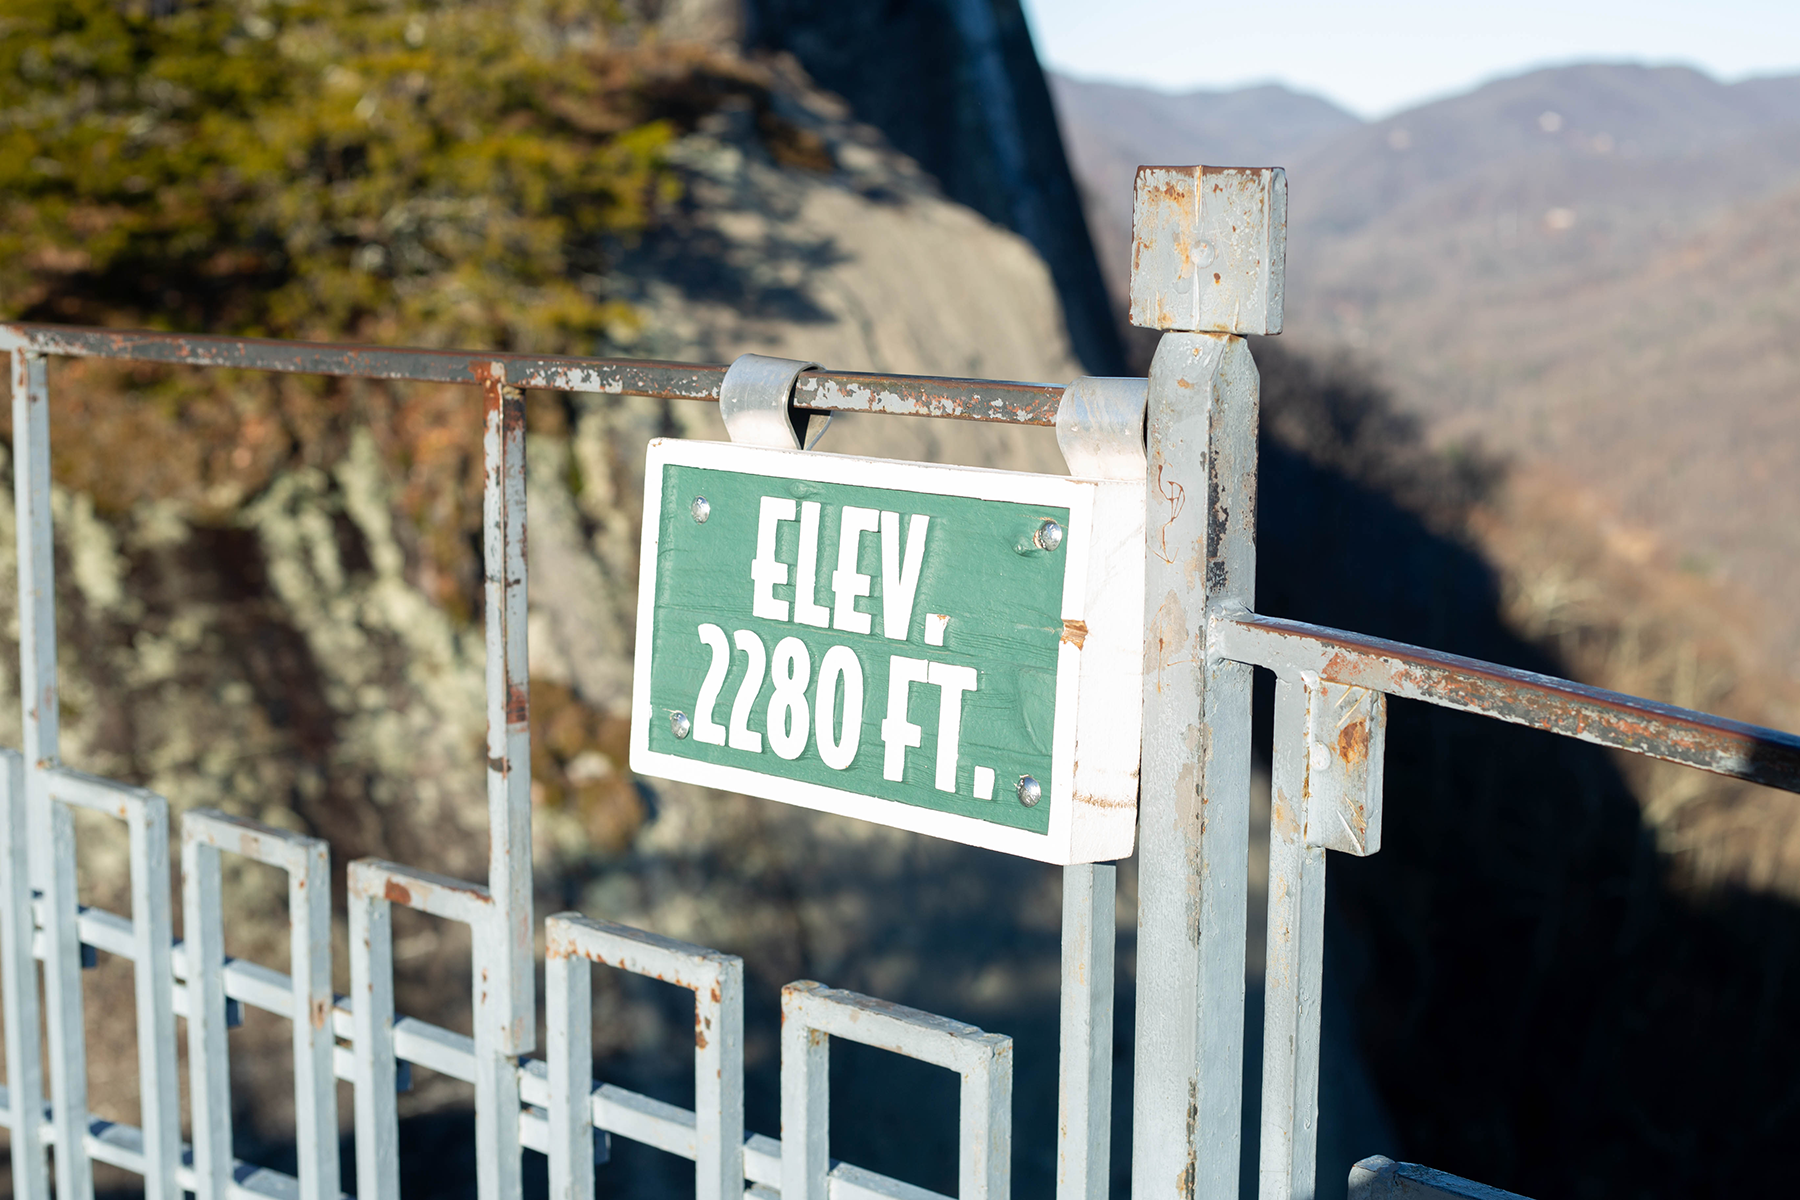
(1205, 640)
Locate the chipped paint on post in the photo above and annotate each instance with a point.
(1346, 741)
(508, 712)
(1209, 248)
(1194, 807)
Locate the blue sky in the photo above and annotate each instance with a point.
(1380, 57)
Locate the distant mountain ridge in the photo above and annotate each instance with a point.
(1584, 267)
(1110, 130)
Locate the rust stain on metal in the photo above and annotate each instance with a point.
(518, 704)
(1282, 818)
(1353, 742)
(1098, 802)
(320, 1013)
(962, 399)
(1725, 747)
(1184, 1182)
(512, 409)
(1074, 632)
(397, 892)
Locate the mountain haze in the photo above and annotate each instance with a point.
(1109, 130)
(1586, 268)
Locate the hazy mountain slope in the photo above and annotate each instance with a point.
(1110, 130)
(1619, 113)
(1608, 292)
(1586, 267)
(1675, 391)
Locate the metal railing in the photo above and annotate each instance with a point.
(1193, 886)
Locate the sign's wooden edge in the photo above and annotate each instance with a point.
(1094, 753)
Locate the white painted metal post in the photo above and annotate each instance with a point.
(1328, 748)
(18, 978)
(1294, 975)
(372, 1006)
(569, 1043)
(512, 990)
(1189, 224)
(146, 817)
(209, 1064)
(309, 962)
(497, 1149)
(1084, 1104)
(805, 1106)
(153, 977)
(51, 827)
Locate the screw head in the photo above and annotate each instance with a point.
(1049, 536)
(1029, 791)
(701, 510)
(680, 725)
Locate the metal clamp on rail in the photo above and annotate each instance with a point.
(1100, 427)
(756, 399)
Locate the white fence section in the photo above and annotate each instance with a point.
(1204, 639)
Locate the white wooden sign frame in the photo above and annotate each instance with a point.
(1098, 696)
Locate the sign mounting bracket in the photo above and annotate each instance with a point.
(1100, 427)
(756, 399)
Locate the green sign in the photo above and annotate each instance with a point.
(897, 641)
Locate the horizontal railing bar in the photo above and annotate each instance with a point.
(122, 1146)
(762, 1168)
(1764, 756)
(616, 1110)
(835, 391)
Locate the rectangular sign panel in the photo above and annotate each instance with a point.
(942, 649)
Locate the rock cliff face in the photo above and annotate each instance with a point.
(956, 85)
(280, 655)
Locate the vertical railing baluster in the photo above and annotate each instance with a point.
(153, 979)
(1294, 974)
(1329, 743)
(19, 981)
(51, 826)
(209, 1066)
(719, 1082)
(506, 1006)
(309, 962)
(508, 709)
(372, 1007)
(1084, 1107)
(497, 1150)
(805, 1110)
(569, 1042)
